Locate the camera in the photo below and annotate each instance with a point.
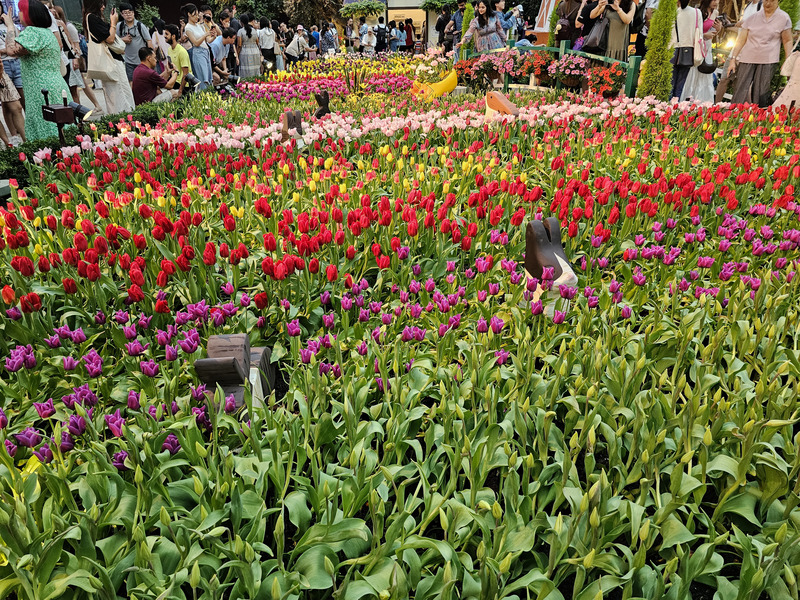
(191, 81)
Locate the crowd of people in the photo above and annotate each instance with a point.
(129, 63)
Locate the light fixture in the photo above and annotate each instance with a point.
(66, 113)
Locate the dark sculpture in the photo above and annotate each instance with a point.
(323, 100)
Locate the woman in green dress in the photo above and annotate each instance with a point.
(40, 61)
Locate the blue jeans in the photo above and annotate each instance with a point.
(11, 66)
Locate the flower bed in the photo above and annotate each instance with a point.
(436, 426)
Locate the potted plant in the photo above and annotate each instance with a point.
(606, 80)
(570, 70)
(534, 65)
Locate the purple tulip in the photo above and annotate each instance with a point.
(537, 308)
(45, 409)
(171, 444)
(29, 437)
(149, 367)
(199, 392)
(44, 453)
(11, 448)
(121, 317)
(482, 326)
(328, 320)
(134, 400)
(261, 322)
(558, 317)
(285, 304)
(118, 460)
(244, 301)
(3, 419)
(14, 313)
(496, 323)
(639, 279)
(115, 423)
(403, 252)
(201, 418)
(347, 302)
(100, 318)
(76, 425)
(567, 291)
(129, 332)
(144, 322)
(67, 443)
(135, 348)
(227, 288)
(325, 298)
(171, 353)
(592, 301)
(293, 328)
(626, 312)
(78, 337)
(53, 342)
(230, 403)
(305, 355)
(501, 356)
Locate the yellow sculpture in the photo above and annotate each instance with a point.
(428, 91)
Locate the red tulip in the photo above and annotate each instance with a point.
(9, 297)
(70, 287)
(332, 273)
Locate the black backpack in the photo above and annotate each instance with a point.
(381, 35)
(638, 18)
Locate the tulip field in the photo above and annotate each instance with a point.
(434, 431)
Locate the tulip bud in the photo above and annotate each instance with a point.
(138, 533)
(594, 519)
(780, 535)
(444, 521)
(497, 511)
(512, 460)
(644, 531)
(276, 589)
(588, 560)
(201, 450)
(194, 577)
(584, 506)
(164, 517)
(788, 575)
(138, 476)
(505, 564)
(707, 437)
(758, 579)
(484, 505)
(529, 461)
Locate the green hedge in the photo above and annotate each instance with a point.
(11, 167)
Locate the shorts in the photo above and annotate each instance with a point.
(8, 93)
(12, 69)
(129, 69)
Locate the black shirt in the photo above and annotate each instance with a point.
(588, 21)
(99, 30)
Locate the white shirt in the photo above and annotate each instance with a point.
(198, 31)
(266, 39)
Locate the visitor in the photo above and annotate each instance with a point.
(327, 40)
(266, 42)
(220, 48)
(200, 37)
(568, 11)
(402, 38)
(70, 44)
(485, 28)
(135, 36)
(411, 33)
(507, 20)
(298, 46)
(381, 36)
(116, 90)
(248, 48)
(369, 41)
(349, 37)
(12, 69)
(178, 55)
(362, 31)
(699, 87)
(727, 76)
(12, 110)
(757, 53)
(147, 84)
(394, 36)
(456, 24)
(687, 29)
(160, 45)
(584, 21)
(40, 62)
(314, 37)
(281, 32)
(441, 24)
(790, 96)
(620, 14)
(641, 39)
(235, 23)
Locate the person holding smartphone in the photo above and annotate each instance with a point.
(135, 35)
(200, 38)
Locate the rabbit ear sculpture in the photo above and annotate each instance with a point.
(543, 250)
(323, 100)
(292, 120)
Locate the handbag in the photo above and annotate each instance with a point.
(598, 36)
(688, 56)
(708, 66)
(118, 47)
(99, 62)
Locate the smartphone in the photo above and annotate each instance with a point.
(207, 18)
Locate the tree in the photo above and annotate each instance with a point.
(657, 70)
(469, 14)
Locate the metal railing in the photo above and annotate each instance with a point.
(632, 66)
